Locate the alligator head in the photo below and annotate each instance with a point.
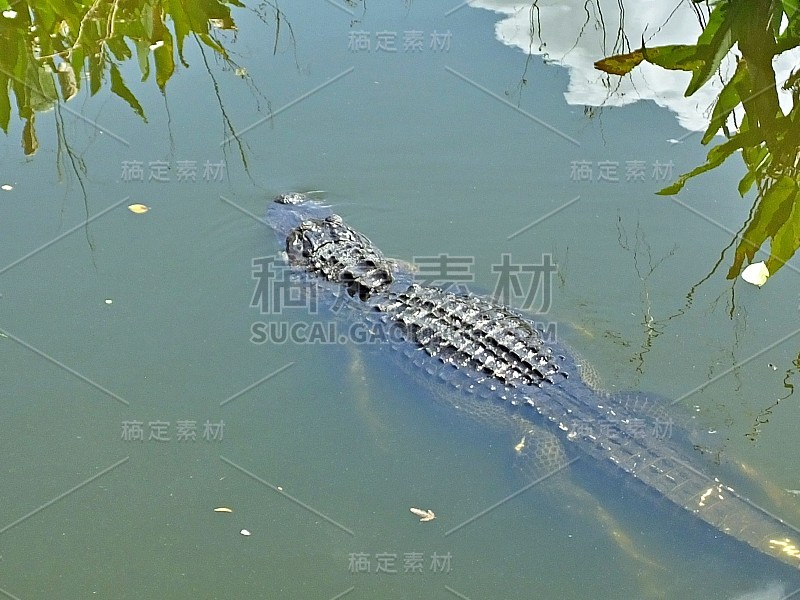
(320, 243)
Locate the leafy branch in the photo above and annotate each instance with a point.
(747, 112)
(46, 46)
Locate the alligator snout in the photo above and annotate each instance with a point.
(291, 198)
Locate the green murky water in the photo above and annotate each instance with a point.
(141, 324)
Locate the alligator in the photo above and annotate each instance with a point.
(502, 363)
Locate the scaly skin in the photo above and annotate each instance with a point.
(505, 370)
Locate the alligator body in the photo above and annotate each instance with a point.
(499, 359)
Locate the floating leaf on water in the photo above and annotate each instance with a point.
(224, 509)
(757, 274)
(425, 515)
(138, 209)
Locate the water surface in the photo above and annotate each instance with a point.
(447, 149)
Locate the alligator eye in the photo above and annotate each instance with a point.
(363, 293)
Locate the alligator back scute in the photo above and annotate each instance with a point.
(472, 334)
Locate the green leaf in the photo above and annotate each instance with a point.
(716, 20)
(756, 159)
(119, 48)
(119, 88)
(95, 74)
(214, 9)
(745, 183)
(771, 213)
(678, 57)
(77, 65)
(147, 20)
(42, 94)
(143, 55)
(57, 10)
(165, 63)
(716, 156)
(790, 37)
(182, 25)
(786, 240)
(212, 43)
(8, 54)
(5, 103)
(727, 100)
(712, 46)
(19, 82)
